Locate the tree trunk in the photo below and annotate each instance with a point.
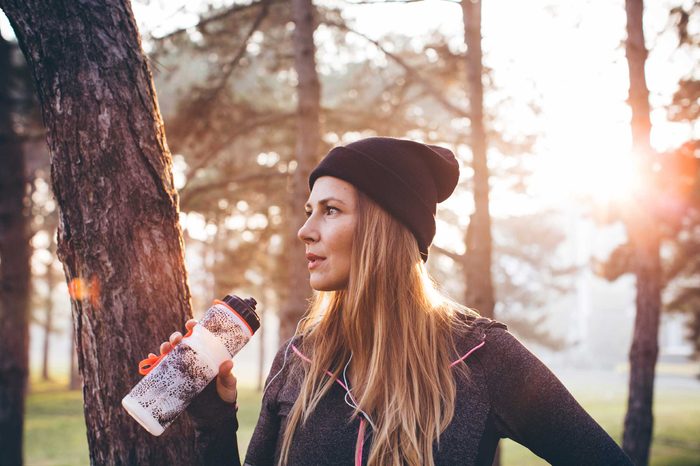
(119, 238)
(477, 260)
(645, 238)
(308, 143)
(48, 324)
(14, 277)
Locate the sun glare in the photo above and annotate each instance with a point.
(607, 177)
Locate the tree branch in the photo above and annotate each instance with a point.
(458, 258)
(216, 150)
(235, 9)
(230, 65)
(409, 70)
(187, 196)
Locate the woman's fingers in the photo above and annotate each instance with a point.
(165, 347)
(175, 338)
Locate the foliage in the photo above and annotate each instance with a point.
(227, 88)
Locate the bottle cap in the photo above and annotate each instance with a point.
(246, 309)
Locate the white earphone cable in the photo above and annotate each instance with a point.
(286, 351)
(351, 402)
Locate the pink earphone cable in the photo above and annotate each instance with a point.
(483, 342)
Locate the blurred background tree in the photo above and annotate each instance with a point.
(15, 272)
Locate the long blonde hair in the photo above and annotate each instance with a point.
(398, 329)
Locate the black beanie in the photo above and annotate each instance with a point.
(406, 178)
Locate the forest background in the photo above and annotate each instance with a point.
(561, 161)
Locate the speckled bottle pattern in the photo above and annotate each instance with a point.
(170, 386)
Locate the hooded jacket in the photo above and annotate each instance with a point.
(510, 393)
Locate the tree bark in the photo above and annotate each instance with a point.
(477, 260)
(645, 239)
(307, 146)
(119, 239)
(14, 276)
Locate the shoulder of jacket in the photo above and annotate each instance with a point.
(472, 330)
(476, 324)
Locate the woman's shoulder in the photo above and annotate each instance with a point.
(472, 327)
(472, 333)
(498, 348)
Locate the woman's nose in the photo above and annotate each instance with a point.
(307, 233)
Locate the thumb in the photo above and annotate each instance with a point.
(225, 368)
(225, 379)
(226, 383)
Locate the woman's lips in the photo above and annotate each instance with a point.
(313, 263)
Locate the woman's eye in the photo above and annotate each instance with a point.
(328, 210)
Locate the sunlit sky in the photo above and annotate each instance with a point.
(566, 56)
(570, 54)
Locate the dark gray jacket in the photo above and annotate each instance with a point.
(511, 394)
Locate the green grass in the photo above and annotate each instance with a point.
(248, 411)
(55, 433)
(55, 429)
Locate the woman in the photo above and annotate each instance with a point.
(385, 370)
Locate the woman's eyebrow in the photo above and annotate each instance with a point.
(325, 201)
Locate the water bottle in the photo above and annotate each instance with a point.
(174, 379)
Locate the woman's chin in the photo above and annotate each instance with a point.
(320, 287)
(324, 285)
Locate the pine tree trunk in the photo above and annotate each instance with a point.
(308, 143)
(119, 238)
(645, 239)
(15, 275)
(477, 260)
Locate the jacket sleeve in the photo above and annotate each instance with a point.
(533, 407)
(215, 425)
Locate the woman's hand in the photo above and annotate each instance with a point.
(225, 380)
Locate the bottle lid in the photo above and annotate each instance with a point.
(246, 309)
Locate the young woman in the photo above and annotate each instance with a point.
(384, 369)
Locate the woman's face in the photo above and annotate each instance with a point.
(328, 231)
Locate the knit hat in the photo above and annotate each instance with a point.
(406, 178)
